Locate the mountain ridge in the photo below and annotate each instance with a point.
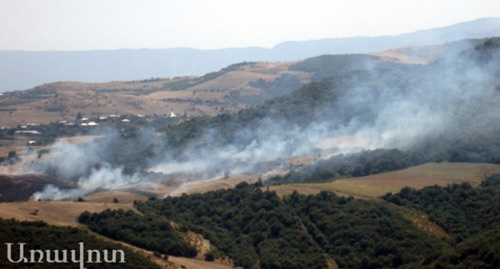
(25, 69)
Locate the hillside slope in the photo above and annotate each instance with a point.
(446, 110)
(228, 90)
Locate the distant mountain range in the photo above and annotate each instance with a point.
(25, 69)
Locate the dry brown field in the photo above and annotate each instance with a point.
(416, 177)
(64, 100)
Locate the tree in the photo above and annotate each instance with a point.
(12, 154)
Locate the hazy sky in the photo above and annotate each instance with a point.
(114, 24)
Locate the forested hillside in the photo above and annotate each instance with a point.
(255, 227)
(39, 235)
(463, 211)
(356, 92)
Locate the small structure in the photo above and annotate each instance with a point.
(28, 132)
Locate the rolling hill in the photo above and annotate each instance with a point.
(429, 112)
(228, 90)
(341, 123)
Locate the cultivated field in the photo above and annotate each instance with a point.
(416, 177)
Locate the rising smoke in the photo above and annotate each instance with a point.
(385, 106)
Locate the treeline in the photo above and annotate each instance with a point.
(147, 232)
(462, 210)
(334, 65)
(365, 234)
(356, 88)
(469, 215)
(353, 88)
(39, 235)
(476, 150)
(255, 228)
(250, 226)
(297, 109)
(47, 132)
(355, 165)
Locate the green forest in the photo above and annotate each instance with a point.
(256, 228)
(147, 232)
(39, 235)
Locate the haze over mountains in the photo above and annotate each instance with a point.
(25, 69)
(446, 110)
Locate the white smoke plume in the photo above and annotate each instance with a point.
(105, 177)
(392, 107)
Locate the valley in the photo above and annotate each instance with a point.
(361, 161)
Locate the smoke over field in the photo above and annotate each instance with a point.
(446, 107)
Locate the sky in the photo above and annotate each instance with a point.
(41, 25)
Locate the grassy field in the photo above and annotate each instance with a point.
(416, 177)
(54, 212)
(66, 213)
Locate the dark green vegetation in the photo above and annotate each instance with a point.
(44, 134)
(281, 85)
(461, 210)
(365, 234)
(256, 227)
(360, 164)
(246, 224)
(356, 91)
(469, 215)
(469, 134)
(334, 65)
(385, 160)
(480, 251)
(147, 232)
(38, 235)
